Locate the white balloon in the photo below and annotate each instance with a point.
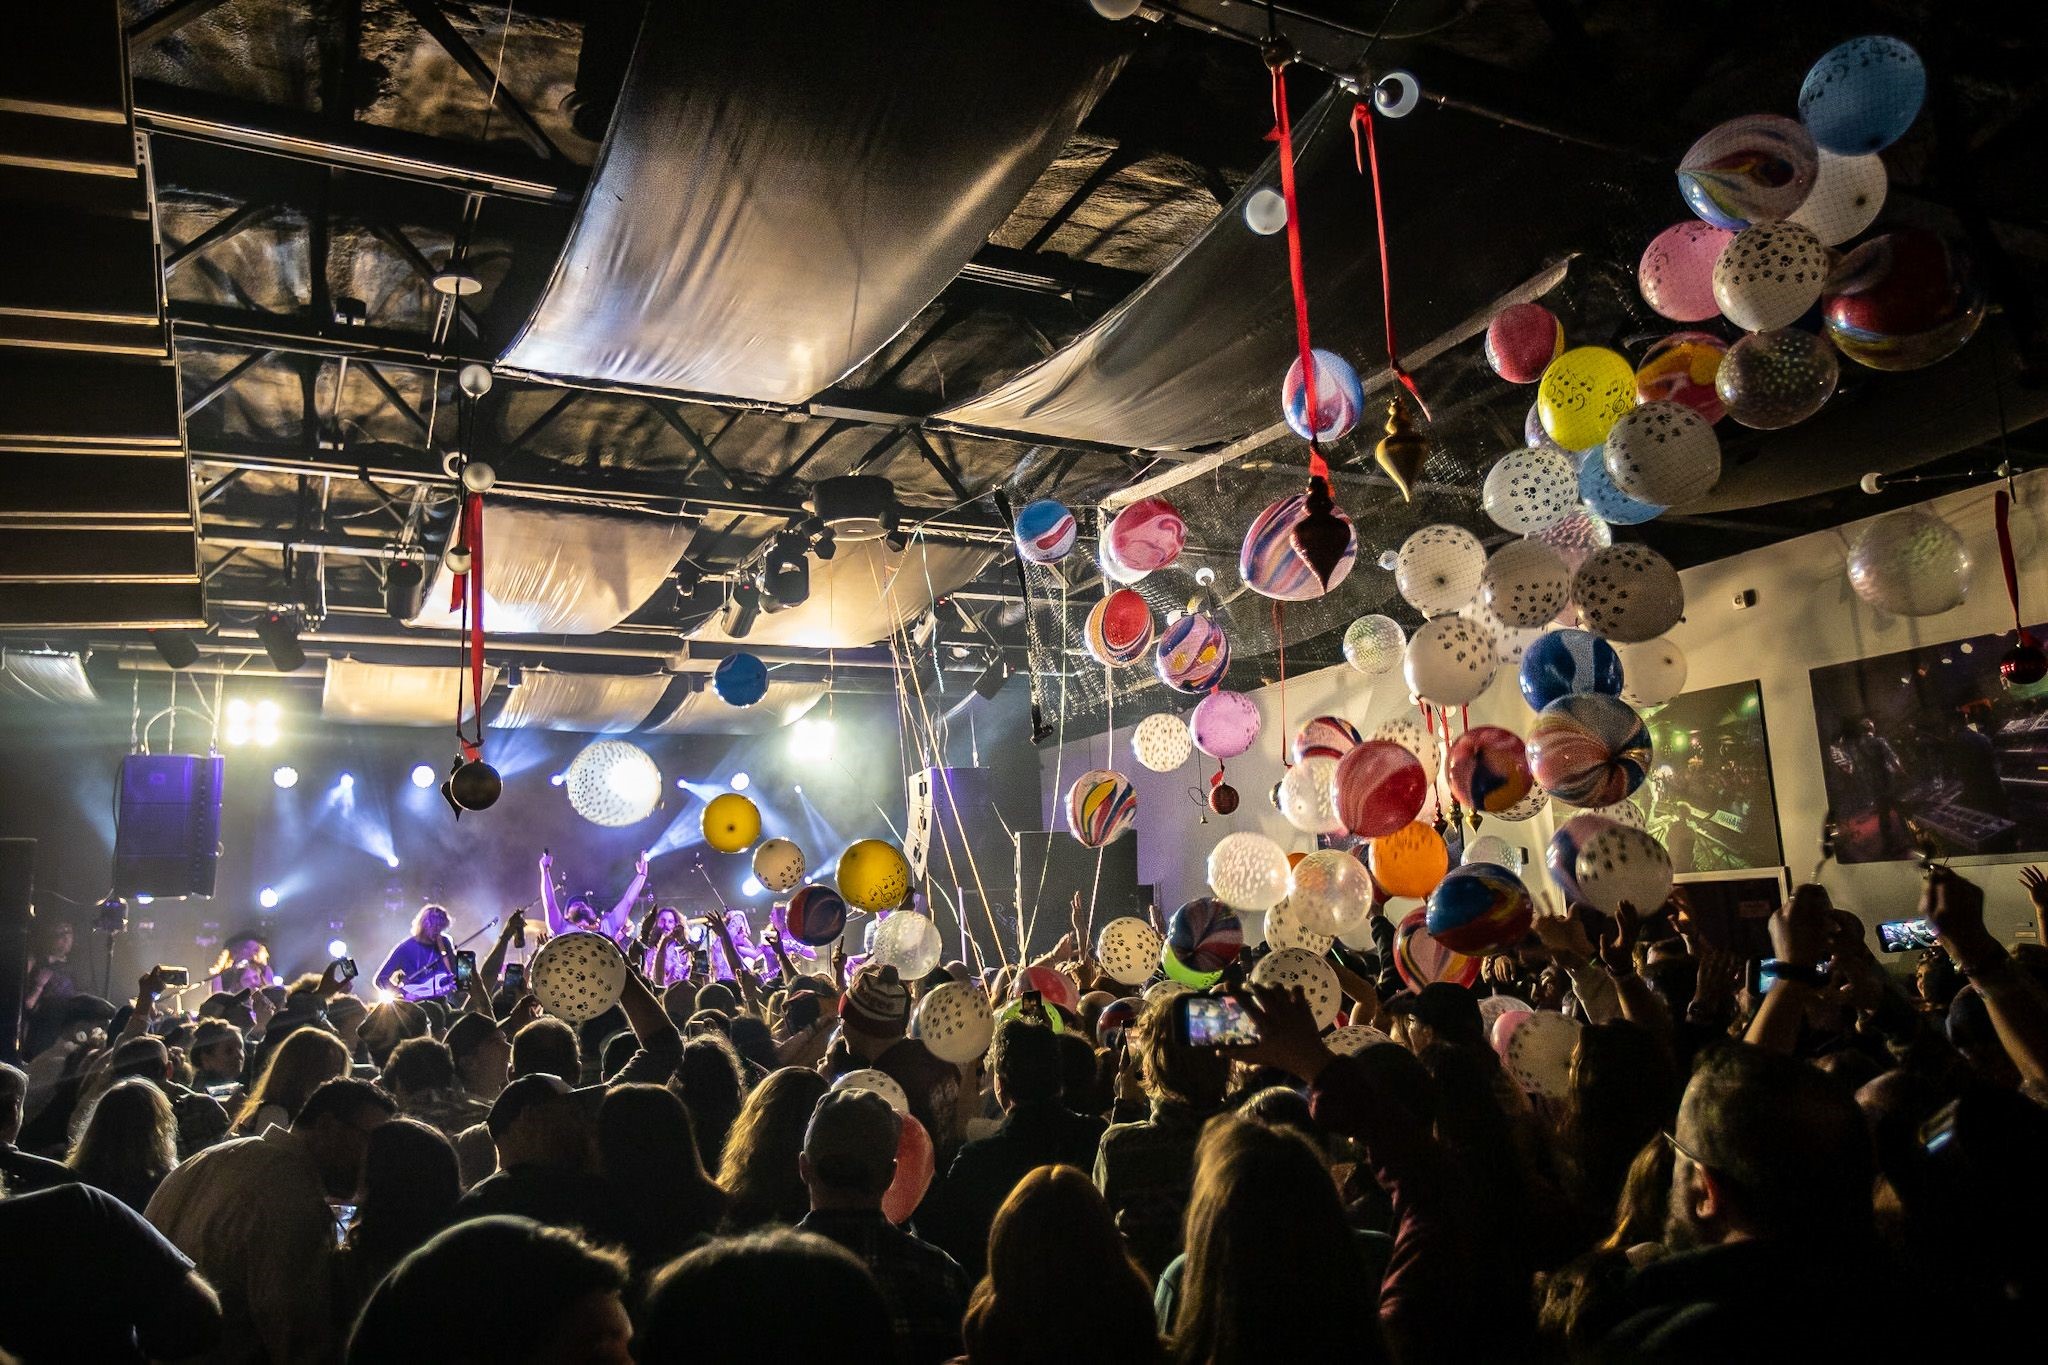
(1846, 197)
(577, 975)
(1374, 645)
(1353, 1039)
(1491, 848)
(1538, 1054)
(1307, 797)
(1265, 212)
(1330, 892)
(779, 865)
(909, 942)
(1621, 813)
(1285, 930)
(1414, 739)
(954, 1021)
(1628, 593)
(1450, 661)
(1128, 949)
(1769, 275)
(1525, 584)
(1910, 563)
(1623, 864)
(1161, 742)
(1664, 453)
(1299, 969)
(1247, 871)
(1652, 672)
(1438, 568)
(881, 1082)
(1531, 490)
(1526, 808)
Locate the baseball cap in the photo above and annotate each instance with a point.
(527, 1093)
(851, 1139)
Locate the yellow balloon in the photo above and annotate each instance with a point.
(873, 876)
(1583, 393)
(731, 823)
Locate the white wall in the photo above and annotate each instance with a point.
(1805, 617)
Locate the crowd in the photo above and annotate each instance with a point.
(1837, 1166)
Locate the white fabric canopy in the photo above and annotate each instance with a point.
(551, 571)
(705, 713)
(861, 594)
(43, 677)
(357, 693)
(589, 703)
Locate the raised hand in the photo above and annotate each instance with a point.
(1565, 936)
(547, 860)
(640, 866)
(1617, 940)
(1956, 907)
(1288, 1037)
(1801, 926)
(2036, 885)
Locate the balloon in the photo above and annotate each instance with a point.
(1193, 654)
(740, 680)
(1846, 198)
(1307, 798)
(778, 865)
(611, 783)
(1272, 567)
(909, 942)
(1568, 661)
(1623, 864)
(1680, 368)
(873, 876)
(1663, 453)
(1775, 379)
(1380, 788)
(1204, 935)
(1161, 742)
(1521, 340)
(1528, 490)
(954, 1021)
(881, 1083)
(1413, 738)
(1329, 892)
(1754, 169)
(1479, 908)
(1494, 1006)
(1525, 584)
(1525, 809)
(1910, 563)
(1045, 531)
(1301, 970)
(1127, 948)
(1285, 930)
(1508, 641)
(1248, 871)
(1146, 535)
(1340, 398)
(1488, 769)
(1491, 848)
(1562, 855)
(1265, 212)
(1621, 813)
(1375, 645)
(1324, 737)
(1180, 975)
(731, 822)
(1652, 672)
(816, 915)
(1538, 1054)
(1600, 497)
(1053, 985)
(1353, 1039)
(1420, 959)
(1438, 568)
(1118, 1016)
(1628, 593)
(1222, 797)
(1224, 724)
(1769, 275)
(1862, 95)
(577, 975)
(1902, 301)
(1113, 569)
(1100, 807)
(1589, 749)
(1582, 394)
(1450, 662)
(1410, 861)
(1578, 535)
(1119, 628)
(1676, 275)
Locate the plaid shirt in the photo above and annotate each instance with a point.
(925, 1288)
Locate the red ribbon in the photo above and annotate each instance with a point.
(467, 595)
(1367, 149)
(2002, 514)
(1283, 134)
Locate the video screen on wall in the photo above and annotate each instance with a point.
(1931, 744)
(1709, 797)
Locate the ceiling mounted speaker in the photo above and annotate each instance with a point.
(855, 506)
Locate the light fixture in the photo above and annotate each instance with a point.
(144, 898)
(347, 782)
(688, 576)
(824, 545)
(798, 788)
(785, 573)
(252, 723)
(423, 776)
(285, 776)
(391, 860)
(557, 779)
(752, 887)
(812, 738)
(175, 647)
(405, 589)
(742, 609)
(267, 898)
(279, 632)
(740, 782)
(337, 948)
(456, 283)
(855, 506)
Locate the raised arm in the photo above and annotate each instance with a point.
(661, 1044)
(621, 914)
(2018, 1009)
(548, 904)
(1799, 939)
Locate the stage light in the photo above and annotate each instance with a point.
(391, 860)
(812, 738)
(682, 784)
(423, 776)
(337, 948)
(286, 777)
(279, 632)
(557, 779)
(144, 898)
(250, 723)
(798, 789)
(752, 887)
(740, 782)
(405, 589)
(741, 611)
(347, 782)
(176, 648)
(785, 574)
(267, 898)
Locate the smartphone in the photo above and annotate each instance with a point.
(1906, 935)
(465, 966)
(174, 976)
(345, 968)
(515, 976)
(344, 1214)
(1212, 1021)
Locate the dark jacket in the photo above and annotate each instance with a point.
(1044, 1133)
(925, 1289)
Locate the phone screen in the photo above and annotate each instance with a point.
(1216, 1021)
(175, 976)
(465, 967)
(515, 975)
(1905, 935)
(346, 968)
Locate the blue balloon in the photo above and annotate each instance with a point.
(1562, 662)
(1863, 95)
(1045, 531)
(1607, 502)
(740, 680)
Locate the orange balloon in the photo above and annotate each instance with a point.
(1410, 861)
(915, 1162)
(1294, 860)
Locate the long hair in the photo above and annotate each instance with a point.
(129, 1139)
(645, 1144)
(419, 921)
(1273, 1270)
(713, 1091)
(307, 1058)
(758, 1169)
(1623, 1094)
(410, 1185)
(1060, 1285)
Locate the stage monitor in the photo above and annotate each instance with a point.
(167, 831)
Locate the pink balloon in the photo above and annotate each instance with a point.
(1224, 724)
(1380, 788)
(1056, 986)
(1677, 270)
(915, 1162)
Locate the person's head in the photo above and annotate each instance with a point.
(1278, 1107)
(129, 1134)
(13, 1095)
(849, 1154)
(1767, 1147)
(1026, 1064)
(644, 1139)
(1081, 1087)
(1443, 1012)
(1090, 1302)
(667, 920)
(875, 1011)
(1622, 1092)
(335, 1123)
(716, 995)
(217, 1052)
(617, 1051)
(419, 1066)
(233, 1009)
(482, 1053)
(1645, 1194)
(536, 1121)
(581, 914)
(145, 1056)
(430, 923)
(296, 1067)
(1264, 1226)
(410, 1184)
(547, 1047)
(738, 1277)
(713, 1086)
(389, 1023)
(530, 1295)
(753, 1041)
(52, 939)
(1170, 1070)
(759, 1168)
(679, 1001)
(1936, 980)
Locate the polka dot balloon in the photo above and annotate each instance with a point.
(1284, 929)
(1538, 1054)
(1583, 393)
(1846, 198)
(1528, 808)
(1247, 870)
(1450, 662)
(1770, 275)
(1622, 864)
(1308, 798)
(779, 865)
(1438, 569)
(1561, 856)
(1302, 970)
(577, 975)
(1665, 454)
(1755, 169)
(1128, 949)
(1599, 496)
(1525, 584)
(1375, 645)
(873, 875)
(1628, 593)
(1676, 274)
(1910, 563)
(1161, 742)
(1577, 536)
(1775, 379)
(1529, 490)
(954, 1021)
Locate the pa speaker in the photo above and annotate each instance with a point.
(1053, 867)
(167, 834)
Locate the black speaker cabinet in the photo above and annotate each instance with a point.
(167, 835)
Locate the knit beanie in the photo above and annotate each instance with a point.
(877, 1003)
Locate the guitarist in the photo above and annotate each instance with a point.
(423, 965)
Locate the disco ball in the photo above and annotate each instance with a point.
(614, 783)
